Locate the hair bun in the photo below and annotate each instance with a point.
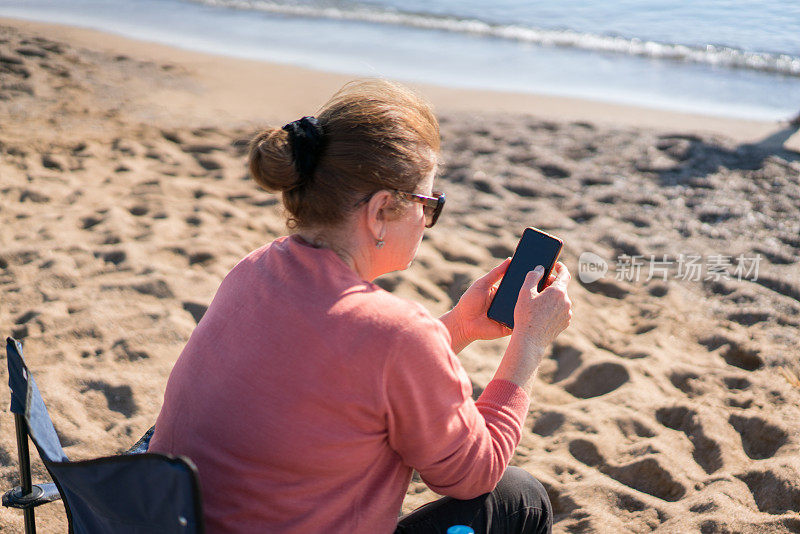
(271, 162)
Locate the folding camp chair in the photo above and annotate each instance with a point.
(137, 492)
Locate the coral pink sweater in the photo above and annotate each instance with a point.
(307, 395)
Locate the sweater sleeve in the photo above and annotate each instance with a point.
(461, 448)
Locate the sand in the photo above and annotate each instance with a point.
(671, 404)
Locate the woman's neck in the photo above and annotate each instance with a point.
(329, 239)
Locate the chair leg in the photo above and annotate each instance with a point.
(25, 469)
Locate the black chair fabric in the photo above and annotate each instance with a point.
(135, 493)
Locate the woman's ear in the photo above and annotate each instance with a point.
(378, 213)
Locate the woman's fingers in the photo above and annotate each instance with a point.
(540, 318)
(532, 280)
(550, 279)
(558, 268)
(563, 277)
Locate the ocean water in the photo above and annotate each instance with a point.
(732, 58)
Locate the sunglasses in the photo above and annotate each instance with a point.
(431, 206)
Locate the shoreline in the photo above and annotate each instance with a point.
(669, 405)
(243, 89)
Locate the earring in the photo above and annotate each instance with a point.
(379, 243)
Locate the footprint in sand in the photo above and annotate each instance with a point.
(658, 289)
(27, 316)
(591, 181)
(749, 318)
(562, 504)
(612, 198)
(53, 162)
(598, 379)
(87, 223)
(582, 215)
(119, 398)
(484, 186)
(688, 382)
(126, 147)
(744, 404)
(526, 191)
(5, 458)
(793, 240)
(738, 356)
(707, 452)
(736, 382)
(638, 222)
(196, 309)
(111, 239)
(607, 288)
(650, 476)
(499, 250)
(719, 287)
(96, 353)
(201, 257)
(632, 428)
(554, 171)
(208, 163)
(733, 352)
(194, 220)
(548, 423)
(622, 244)
(122, 350)
(172, 136)
(629, 503)
(32, 195)
(775, 491)
(567, 359)
(586, 452)
(645, 328)
(777, 285)
(776, 257)
(647, 475)
(760, 438)
(112, 256)
(139, 210)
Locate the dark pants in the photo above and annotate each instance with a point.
(518, 504)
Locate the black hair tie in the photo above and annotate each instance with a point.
(306, 138)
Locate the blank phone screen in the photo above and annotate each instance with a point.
(535, 248)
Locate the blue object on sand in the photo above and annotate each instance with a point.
(133, 493)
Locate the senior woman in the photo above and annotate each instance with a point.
(307, 395)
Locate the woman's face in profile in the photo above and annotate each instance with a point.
(404, 234)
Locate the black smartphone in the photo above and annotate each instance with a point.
(535, 248)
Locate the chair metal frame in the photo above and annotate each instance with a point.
(27, 496)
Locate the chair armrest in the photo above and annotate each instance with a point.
(40, 494)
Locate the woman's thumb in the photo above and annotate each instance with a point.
(532, 279)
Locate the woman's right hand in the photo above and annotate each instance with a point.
(540, 317)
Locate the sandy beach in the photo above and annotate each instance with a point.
(671, 404)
